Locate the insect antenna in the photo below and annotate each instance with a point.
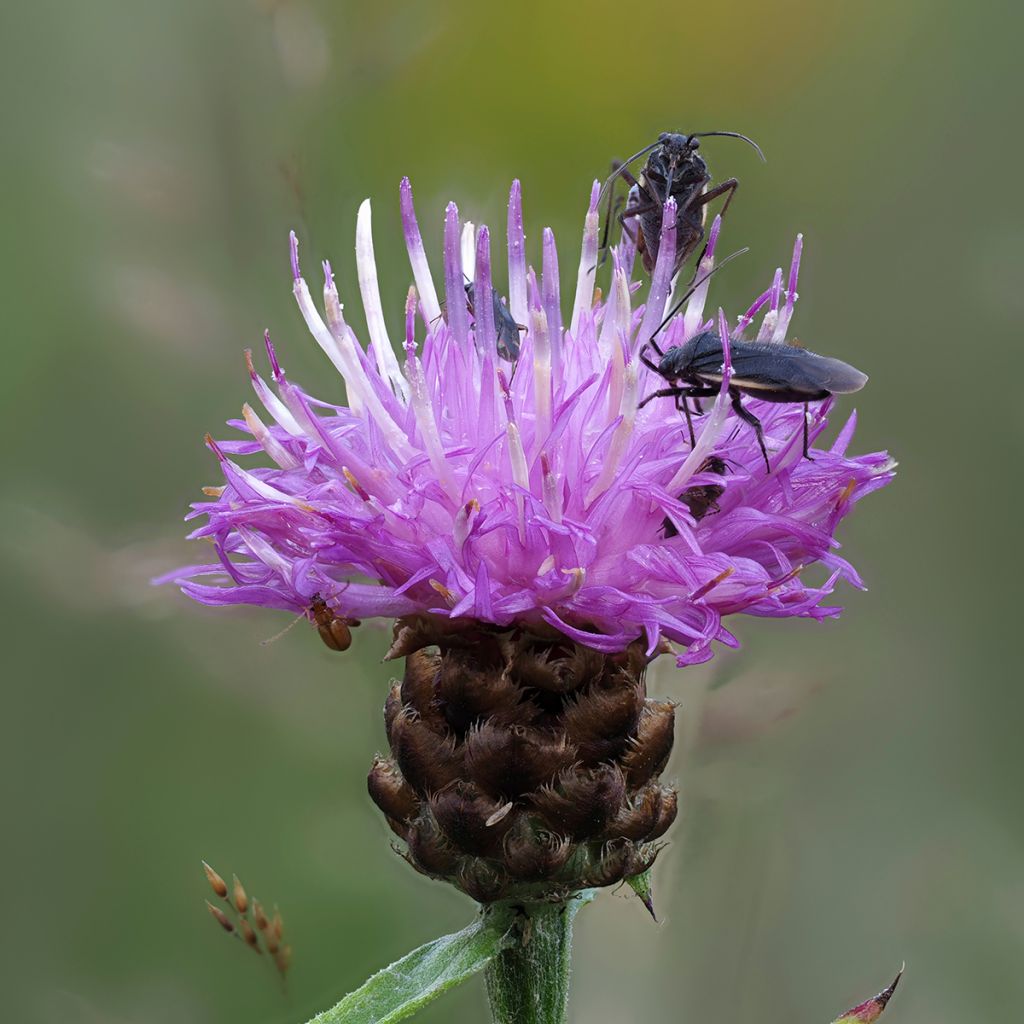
(731, 135)
(287, 629)
(689, 291)
(623, 167)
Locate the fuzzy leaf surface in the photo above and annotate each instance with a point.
(419, 977)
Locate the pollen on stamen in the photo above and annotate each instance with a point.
(355, 484)
(712, 583)
(844, 496)
(578, 576)
(787, 578)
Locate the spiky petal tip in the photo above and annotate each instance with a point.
(461, 485)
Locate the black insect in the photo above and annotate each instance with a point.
(672, 169)
(702, 499)
(769, 372)
(504, 323)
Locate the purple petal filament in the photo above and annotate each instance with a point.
(459, 484)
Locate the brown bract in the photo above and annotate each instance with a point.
(522, 765)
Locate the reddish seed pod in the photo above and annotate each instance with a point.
(239, 897)
(249, 935)
(259, 915)
(220, 917)
(217, 884)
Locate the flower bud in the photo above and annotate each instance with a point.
(523, 766)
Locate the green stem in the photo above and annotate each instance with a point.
(528, 981)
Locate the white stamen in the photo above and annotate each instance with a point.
(520, 473)
(275, 406)
(713, 426)
(616, 315)
(552, 492)
(694, 315)
(369, 289)
(620, 438)
(516, 256)
(469, 250)
(420, 266)
(265, 552)
(578, 576)
(338, 328)
(767, 330)
(541, 373)
(341, 352)
(464, 519)
(588, 262)
(271, 445)
(424, 413)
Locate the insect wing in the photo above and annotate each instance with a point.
(507, 329)
(778, 369)
(836, 376)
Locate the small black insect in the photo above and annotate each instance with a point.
(767, 371)
(505, 325)
(673, 169)
(702, 499)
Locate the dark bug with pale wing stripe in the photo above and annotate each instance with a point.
(770, 372)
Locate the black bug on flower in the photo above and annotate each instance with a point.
(770, 372)
(453, 485)
(674, 170)
(505, 326)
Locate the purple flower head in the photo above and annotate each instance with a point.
(456, 483)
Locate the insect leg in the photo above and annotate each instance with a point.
(619, 170)
(635, 211)
(807, 413)
(626, 228)
(649, 363)
(625, 174)
(729, 186)
(695, 196)
(613, 205)
(749, 417)
(689, 421)
(663, 393)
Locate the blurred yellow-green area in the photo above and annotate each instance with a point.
(852, 795)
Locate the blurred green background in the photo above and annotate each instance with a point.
(155, 157)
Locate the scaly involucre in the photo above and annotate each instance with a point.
(538, 493)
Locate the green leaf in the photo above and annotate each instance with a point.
(868, 1012)
(641, 885)
(422, 975)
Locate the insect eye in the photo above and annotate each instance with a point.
(694, 143)
(663, 137)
